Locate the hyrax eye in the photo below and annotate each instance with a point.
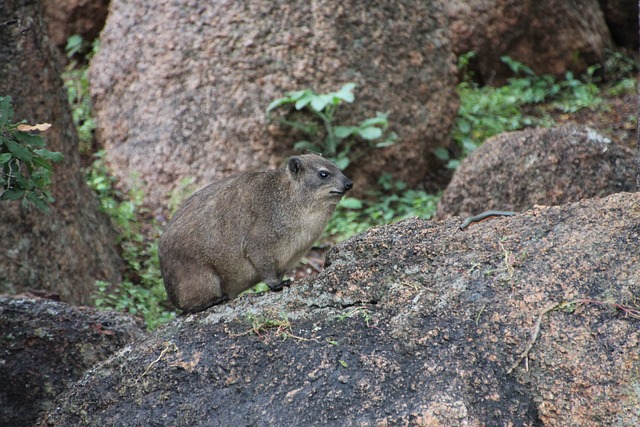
(323, 174)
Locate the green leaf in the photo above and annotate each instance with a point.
(12, 194)
(319, 102)
(351, 203)
(379, 120)
(54, 156)
(75, 43)
(342, 132)
(453, 164)
(306, 145)
(342, 163)
(297, 94)
(441, 153)
(38, 202)
(389, 141)
(5, 158)
(463, 126)
(42, 163)
(28, 139)
(19, 151)
(370, 133)
(6, 111)
(279, 102)
(346, 92)
(303, 102)
(469, 145)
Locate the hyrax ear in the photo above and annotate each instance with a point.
(295, 164)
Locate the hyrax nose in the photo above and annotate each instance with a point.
(348, 184)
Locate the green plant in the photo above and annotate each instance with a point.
(142, 289)
(393, 203)
(619, 66)
(486, 111)
(261, 324)
(624, 86)
(26, 169)
(338, 140)
(362, 311)
(76, 81)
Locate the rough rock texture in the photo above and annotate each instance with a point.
(67, 249)
(517, 170)
(47, 345)
(417, 323)
(65, 18)
(622, 20)
(550, 36)
(181, 86)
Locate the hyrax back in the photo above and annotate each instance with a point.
(245, 229)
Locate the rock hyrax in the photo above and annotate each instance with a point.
(248, 228)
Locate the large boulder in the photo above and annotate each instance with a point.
(550, 36)
(46, 345)
(529, 320)
(68, 248)
(517, 170)
(181, 87)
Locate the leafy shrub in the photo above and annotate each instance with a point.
(394, 203)
(142, 290)
(338, 140)
(76, 81)
(487, 111)
(26, 169)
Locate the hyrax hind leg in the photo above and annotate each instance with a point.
(199, 288)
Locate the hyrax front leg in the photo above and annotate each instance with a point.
(266, 267)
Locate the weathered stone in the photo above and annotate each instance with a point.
(65, 18)
(622, 19)
(550, 36)
(45, 346)
(416, 323)
(68, 248)
(181, 86)
(517, 170)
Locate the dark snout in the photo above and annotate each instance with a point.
(347, 185)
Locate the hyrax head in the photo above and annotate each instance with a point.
(319, 176)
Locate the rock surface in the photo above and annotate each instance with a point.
(416, 323)
(550, 36)
(45, 346)
(67, 249)
(517, 170)
(181, 87)
(65, 18)
(622, 19)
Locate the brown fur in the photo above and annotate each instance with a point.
(245, 229)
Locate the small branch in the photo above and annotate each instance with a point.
(631, 312)
(534, 337)
(170, 347)
(13, 21)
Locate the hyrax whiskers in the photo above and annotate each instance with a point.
(245, 229)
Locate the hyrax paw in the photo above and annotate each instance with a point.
(286, 283)
(280, 286)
